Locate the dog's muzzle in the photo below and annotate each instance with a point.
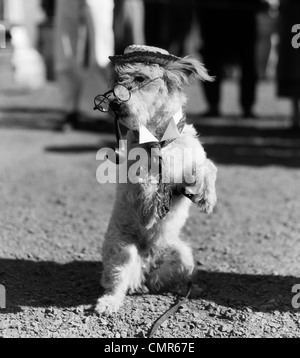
(119, 108)
(112, 99)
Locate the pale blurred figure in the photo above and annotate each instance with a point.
(72, 19)
(267, 22)
(24, 17)
(129, 27)
(28, 64)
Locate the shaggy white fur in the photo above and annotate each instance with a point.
(141, 251)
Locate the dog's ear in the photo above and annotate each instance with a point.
(182, 72)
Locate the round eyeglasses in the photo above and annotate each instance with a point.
(119, 91)
(122, 93)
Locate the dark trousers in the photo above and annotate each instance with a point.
(167, 24)
(229, 37)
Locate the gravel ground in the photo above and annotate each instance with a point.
(53, 216)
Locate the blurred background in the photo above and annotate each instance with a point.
(55, 58)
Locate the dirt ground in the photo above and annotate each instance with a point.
(54, 214)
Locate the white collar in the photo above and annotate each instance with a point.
(172, 132)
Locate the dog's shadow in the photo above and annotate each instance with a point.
(49, 284)
(261, 293)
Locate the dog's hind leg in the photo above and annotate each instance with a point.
(122, 272)
(173, 260)
(175, 269)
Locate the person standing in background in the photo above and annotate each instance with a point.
(69, 48)
(288, 70)
(45, 43)
(24, 18)
(168, 23)
(228, 30)
(267, 22)
(129, 18)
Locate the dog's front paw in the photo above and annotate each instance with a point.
(108, 304)
(206, 201)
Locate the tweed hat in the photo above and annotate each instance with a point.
(144, 54)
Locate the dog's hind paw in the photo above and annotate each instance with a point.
(143, 289)
(108, 304)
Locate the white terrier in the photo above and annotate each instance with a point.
(142, 248)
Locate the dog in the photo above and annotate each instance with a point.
(143, 249)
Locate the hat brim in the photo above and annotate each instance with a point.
(144, 57)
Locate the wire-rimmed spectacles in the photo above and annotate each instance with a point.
(122, 93)
(102, 101)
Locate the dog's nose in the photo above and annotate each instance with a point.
(115, 105)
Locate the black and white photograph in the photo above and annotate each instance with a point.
(149, 171)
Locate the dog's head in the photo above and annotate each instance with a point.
(155, 81)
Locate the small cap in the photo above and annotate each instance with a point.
(144, 54)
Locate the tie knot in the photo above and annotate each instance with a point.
(155, 145)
